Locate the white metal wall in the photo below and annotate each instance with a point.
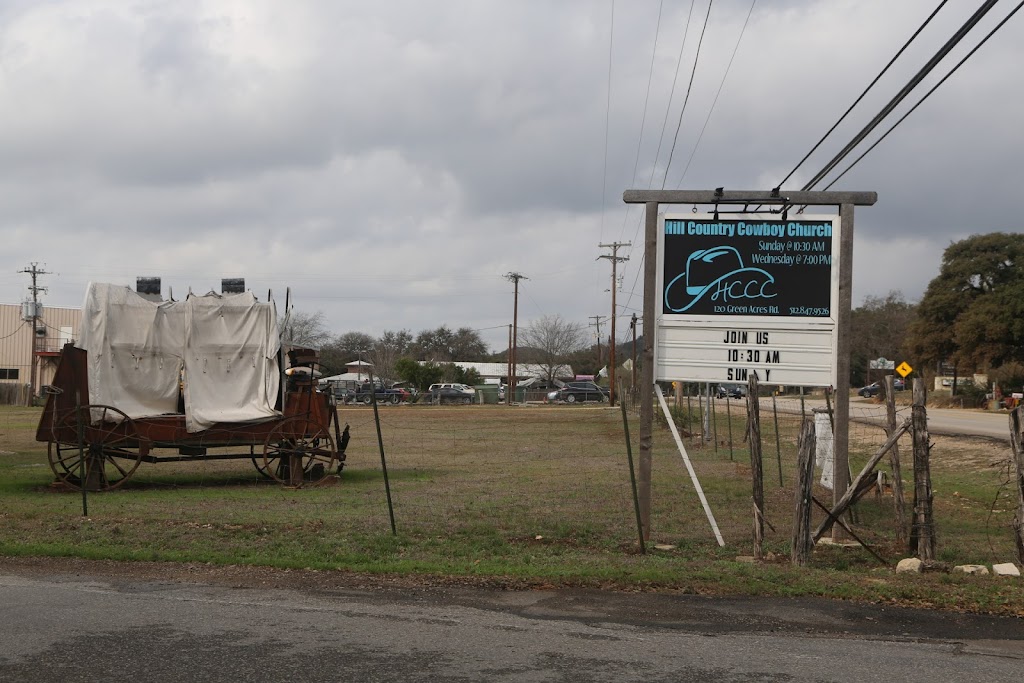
(17, 340)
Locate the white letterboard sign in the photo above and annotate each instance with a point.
(747, 293)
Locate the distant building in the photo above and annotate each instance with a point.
(30, 344)
(356, 372)
(494, 373)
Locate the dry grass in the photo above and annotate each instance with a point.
(533, 493)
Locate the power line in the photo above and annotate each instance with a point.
(607, 115)
(636, 233)
(671, 94)
(927, 94)
(696, 58)
(904, 91)
(870, 85)
(643, 118)
(715, 101)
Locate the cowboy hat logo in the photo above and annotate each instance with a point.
(720, 273)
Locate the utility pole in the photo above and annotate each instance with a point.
(597, 324)
(615, 259)
(508, 369)
(632, 326)
(515, 278)
(34, 270)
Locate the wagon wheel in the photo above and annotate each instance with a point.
(261, 465)
(111, 447)
(303, 437)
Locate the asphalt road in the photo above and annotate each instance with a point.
(103, 622)
(946, 421)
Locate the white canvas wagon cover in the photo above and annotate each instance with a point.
(221, 348)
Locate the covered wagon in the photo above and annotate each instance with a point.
(169, 381)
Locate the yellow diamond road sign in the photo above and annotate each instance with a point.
(904, 369)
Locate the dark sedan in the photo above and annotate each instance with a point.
(577, 392)
(875, 388)
(450, 395)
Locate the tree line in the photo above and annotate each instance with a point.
(548, 343)
(970, 319)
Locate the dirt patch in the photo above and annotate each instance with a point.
(970, 454)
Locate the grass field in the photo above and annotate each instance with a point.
(538, 495)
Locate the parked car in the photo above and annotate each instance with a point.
(364, 394)
(342, 394)
(468, 390)
(731, 391)
(575, 392)
(450, 393)
(870, 390)
(874, 388)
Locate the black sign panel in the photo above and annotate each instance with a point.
(747, 267)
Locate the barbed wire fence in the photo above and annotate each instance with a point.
(504, 476)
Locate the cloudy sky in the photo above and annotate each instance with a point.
(390, 161)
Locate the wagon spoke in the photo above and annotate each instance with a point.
(299, 438)
(112, 449)
(115, 463)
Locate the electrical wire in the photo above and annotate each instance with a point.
(866, 90)
(715, 101)
(668, 109)
(902, 94)
(671, 94)
(928, 94)
(693, 73)
(643, 118)
(636, 234)
(607, 117)
(16, 330)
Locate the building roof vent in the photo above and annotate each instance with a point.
(148, 287)
(232, 285)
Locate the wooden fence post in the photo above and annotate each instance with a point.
(899, 506)
(1017, 440)
(756, 475)
(849, 496)
(922, 533)
(801, 547)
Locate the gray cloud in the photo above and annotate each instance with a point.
(390, 162)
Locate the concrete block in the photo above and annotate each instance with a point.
(909, 565)
(1005, 569)
(976, 569)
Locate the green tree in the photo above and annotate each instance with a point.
(344, 349)
(441, 345)
(419, 375)
(435, 345)
(878, 329)
(972, 314)
(468, 346)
